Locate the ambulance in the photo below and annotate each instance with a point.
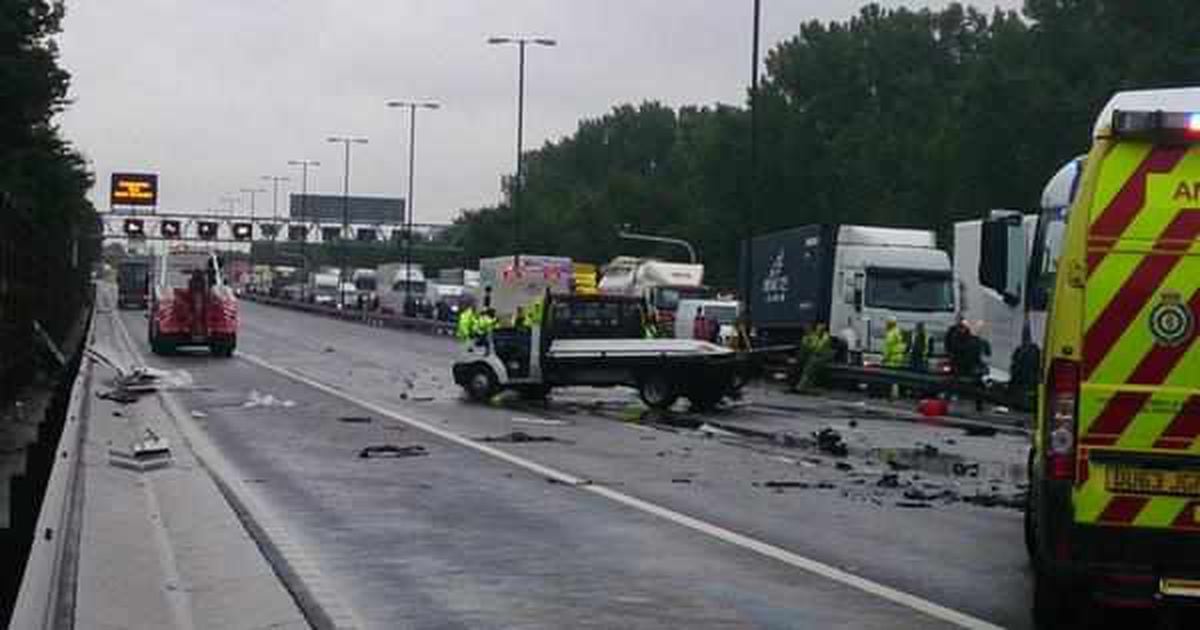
(1114, 502)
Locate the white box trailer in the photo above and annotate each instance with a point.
(508, 282)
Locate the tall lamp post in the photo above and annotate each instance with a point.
(521, 43)
(412, 106)
(252, 192)
(345, 141)
(275, 179)
(303, 164)
(753, 192)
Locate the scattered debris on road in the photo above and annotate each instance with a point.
(681, 480)
(257, 399)
(330, 349)
(199, 415)
(517, 437)
(391, 450)
(981, 431)
(781, 485)
(913, 504)
(149, 453)
(830, 441)
(119, 396)
(546, 422)
(355, 419)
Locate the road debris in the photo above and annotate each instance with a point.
(257, 399)
(963, 469)
(149, 453)
(330, 349)
(844, 466)
(913, 504)
(981, 431)
(199, 415)
(517, 437)
(681, 480)
(830, 441)
(889, 480)
(546, 422)
(391, 450)
(356, 419)
(710, 430)
(780, 485)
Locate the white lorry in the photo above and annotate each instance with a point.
(511, 282)
(1006, 266)
(851, 278)
(659, 283)
(596, 340)
(400, 288)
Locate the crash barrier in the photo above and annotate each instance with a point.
(370, 318)
(46, 583)
(932, 382)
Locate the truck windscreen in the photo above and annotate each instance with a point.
(909, 290)
(1047, 245)
(667, 298)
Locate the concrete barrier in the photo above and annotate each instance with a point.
(47, 584)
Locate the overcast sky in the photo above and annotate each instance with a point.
(214, 94)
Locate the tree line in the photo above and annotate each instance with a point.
(899, 117)
(47, 225)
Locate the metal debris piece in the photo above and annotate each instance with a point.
(391, 450)
(889, 480)
(844, 466)
(981, 431)
(517, 437)
(804, 485)
(150, 453)
(681, 480)
(913, 504)
(355, 419)
(831, 442)
(548, 422)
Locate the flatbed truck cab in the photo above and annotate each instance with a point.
(1114, 508)
(597, 341)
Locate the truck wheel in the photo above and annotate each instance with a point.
(223, 349)
(480, 384)
(657, 392)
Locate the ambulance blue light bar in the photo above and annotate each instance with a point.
(1157, 126)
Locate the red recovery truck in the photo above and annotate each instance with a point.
(191, 305)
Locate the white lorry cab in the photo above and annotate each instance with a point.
(853, 279)
(659, 283)
(1006, 266)
(400, 288)
(596, 340)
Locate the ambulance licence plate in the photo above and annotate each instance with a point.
(1129, 480)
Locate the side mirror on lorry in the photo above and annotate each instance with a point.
(1002, 257)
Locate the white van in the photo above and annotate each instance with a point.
(724, 312)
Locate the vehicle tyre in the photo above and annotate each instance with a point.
(481, 384)
(223, 349)
(657, 391)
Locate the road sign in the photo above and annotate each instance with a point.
(170, 229)
(134, 189)
(207, 230)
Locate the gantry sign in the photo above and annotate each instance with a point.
(134, 189)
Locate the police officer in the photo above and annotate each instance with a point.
(894, 347)
(818, 347)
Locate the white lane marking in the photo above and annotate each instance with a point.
(815, 567)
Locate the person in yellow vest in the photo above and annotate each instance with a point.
(895, 351)
(818, 353)
(535, 312)
(465, 329)
(484, 323)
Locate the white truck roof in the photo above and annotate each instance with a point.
(1168, 100)
(886, 237)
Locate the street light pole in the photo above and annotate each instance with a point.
(521, 43)
(303, 164)
(751, 213)
(252, 192)
(275, 179)
(411, 207)
(346, 141)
